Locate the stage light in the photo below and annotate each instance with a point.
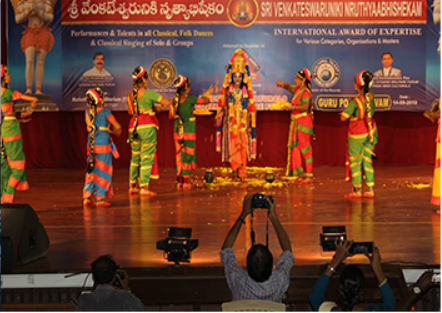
(178, 245)
(208, 176)
(329, 236)
(270, 177)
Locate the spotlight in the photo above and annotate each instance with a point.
(177, 245)
(209, 176)
(270, 177)
(329, 236)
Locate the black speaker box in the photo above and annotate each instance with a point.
(9, 255)
(20, 223)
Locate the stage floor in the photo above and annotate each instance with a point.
(400, 219)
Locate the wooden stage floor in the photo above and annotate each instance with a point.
(401, 219)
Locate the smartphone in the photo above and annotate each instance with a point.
(435, 279)
(361, 248)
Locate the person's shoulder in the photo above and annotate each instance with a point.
(306, 93)
(152, 93)
(106, 111)
(9, 91)
(90, 72)
(192, 98)
(105, 73)
(378, 73)
(396, 72)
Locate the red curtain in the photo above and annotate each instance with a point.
(58, 140)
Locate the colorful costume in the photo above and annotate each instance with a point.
(435, 196)
(13, 157)
(98, 182)
(362, 140)
(40, 38)
(144, 162)
(300, 155)
(184, 135)
(238, 145)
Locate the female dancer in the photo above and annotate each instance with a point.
(98, 180)
(143, 128)
(362, 136)
(184, 129)
(236, 105)
(13, 157)
(300, 155)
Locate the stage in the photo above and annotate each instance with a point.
(400, 219)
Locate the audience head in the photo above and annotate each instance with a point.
(104, 269)
(351, 286)
(259, 263)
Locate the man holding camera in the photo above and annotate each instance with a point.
(111, 291)
(260, 282)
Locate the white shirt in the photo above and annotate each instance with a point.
(94, 72)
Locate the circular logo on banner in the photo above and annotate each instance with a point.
(326, 72)
(161, 73)
(242, 13)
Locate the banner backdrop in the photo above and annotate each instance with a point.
(99, 43)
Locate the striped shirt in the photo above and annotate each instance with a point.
(244, 287)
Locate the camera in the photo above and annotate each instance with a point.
(329, 235)
(121, 275)
(361, 248)
(259, 201)
(435, 279)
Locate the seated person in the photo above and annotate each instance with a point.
(259, 282)
(419, 288)
(351, 284)
(106, 296)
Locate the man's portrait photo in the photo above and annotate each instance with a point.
(98, 69)
(388, 70)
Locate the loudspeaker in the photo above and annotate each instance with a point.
(20, 222)
(9, 254)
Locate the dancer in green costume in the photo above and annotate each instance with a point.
(184, 129)
(13, 157)
(143, 128)
(362, 137)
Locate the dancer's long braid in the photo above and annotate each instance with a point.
(4, 72)
(305, 75)
(138, 75)
(93, 97)
(367, 77)
(181, 83)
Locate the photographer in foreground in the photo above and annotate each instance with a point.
(351, 284)
(111, 291)
(260, 282)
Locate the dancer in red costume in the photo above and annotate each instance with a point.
(300, 156)
(362, 137)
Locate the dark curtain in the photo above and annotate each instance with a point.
(58, 140)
